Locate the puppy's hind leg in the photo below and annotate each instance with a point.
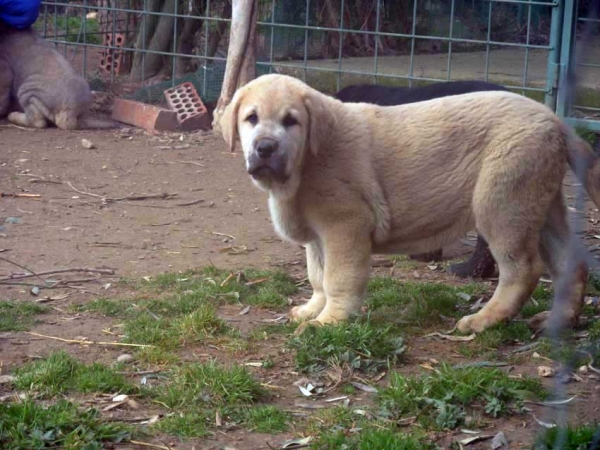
(563, 257)
(509, 214)
(314, 265)
(32, 117)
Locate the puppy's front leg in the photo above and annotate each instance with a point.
(314, 265)
(347, 264)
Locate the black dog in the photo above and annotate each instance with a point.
(482, 263)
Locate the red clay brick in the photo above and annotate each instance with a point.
(142, 115)
(191, 112)
(113, 58)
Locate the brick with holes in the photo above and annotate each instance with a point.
(151, 118)
(191, 112)
(113, 58)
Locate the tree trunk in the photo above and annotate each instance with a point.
(160, 42)
(146, 30)
(215, 38)
(243, 11)
(248, 70)
(191, 25)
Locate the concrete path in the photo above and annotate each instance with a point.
(506, 66)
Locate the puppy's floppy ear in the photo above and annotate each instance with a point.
(228, 122)
(321, 121)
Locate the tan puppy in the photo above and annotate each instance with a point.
(349, 180)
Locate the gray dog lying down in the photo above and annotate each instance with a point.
(40, 82)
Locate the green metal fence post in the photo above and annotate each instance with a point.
(563, 97)
(554, 55)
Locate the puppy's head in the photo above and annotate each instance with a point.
(278, 120)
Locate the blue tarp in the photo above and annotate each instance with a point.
(19, 13)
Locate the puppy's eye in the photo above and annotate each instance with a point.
(252, 119)
(289, 121)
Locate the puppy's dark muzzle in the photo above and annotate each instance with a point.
(266, 162)
(266, 147)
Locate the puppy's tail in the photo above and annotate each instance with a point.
(585, 163)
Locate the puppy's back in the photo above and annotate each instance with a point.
(390, 96)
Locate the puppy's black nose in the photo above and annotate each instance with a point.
(266, 147)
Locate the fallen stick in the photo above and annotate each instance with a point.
(145, 444)
(79, 341)
(33, 274)
(55, 272)
(20, 195)
(130, 197)
(141, 372)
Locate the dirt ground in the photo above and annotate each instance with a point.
(87, 216)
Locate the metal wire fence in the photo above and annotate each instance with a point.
(151, 45)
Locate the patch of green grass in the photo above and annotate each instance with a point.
(330, 420)
(60, 373)
(18, 315)
(71, 29)
(197, 392)
(184, 425)
(175, 309)
(569, 438)
(253, 287)
(588, 135)
(265, 332)
(361, 344)
(208, 385)
(26, 425)
(503, 334)
(418, 304)
(372, 438)
(542, 301)
(568, 351)
(594, 331)
(171, 332)
(267, 419)
(443, 399)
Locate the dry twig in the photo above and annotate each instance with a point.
(86, 342)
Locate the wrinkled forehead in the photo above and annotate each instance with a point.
(272, 103)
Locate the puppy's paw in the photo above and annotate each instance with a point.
(305, 325)
(546, 320)
(302, 313)
(475, 323)
(539, 322)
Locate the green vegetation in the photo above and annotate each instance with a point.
(18, 315)
(443, 399)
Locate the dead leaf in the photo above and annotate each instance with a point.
(245, 311)
(112, 406)
(363, 387)
(499, 441)
(545, 371)
(544, 424)
(336, 399)
(254, 364)
(5, 379)
(292, 443)
(473, 439)
(452, 338)
(554, 402)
